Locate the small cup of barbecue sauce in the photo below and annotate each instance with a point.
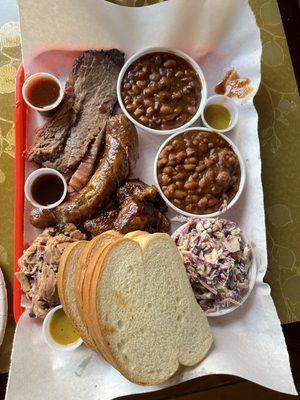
(42, 92)
(45, 188)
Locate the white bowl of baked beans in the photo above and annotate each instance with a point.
(161, 90)
(199, 172)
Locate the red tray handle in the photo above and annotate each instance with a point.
(20, 144)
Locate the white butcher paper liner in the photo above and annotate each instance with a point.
(219, 34)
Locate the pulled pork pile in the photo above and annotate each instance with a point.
(39, 264)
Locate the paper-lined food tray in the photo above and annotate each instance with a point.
(244, 341)
(20, 143)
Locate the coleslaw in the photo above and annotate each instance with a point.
(217, 260)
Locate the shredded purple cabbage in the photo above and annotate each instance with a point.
(217, 261)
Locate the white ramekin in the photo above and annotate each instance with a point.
(34, 77)
(235, 198)
(48, 338)
(226, 102)
(31, 178)
(187, 58)
(252, 275)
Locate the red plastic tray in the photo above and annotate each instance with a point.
(20, 144)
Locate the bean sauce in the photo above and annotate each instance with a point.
(199, 172)
(161, 91)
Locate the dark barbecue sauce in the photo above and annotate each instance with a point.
(47, 189)
(42, 92)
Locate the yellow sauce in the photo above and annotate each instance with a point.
(61, 329)
(217, 116)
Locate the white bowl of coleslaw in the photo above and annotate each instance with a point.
(219, 261)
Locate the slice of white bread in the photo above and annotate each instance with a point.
(90, 264)
(86, 255)
(66, 287)
(143, 308)
(135, 234)
(94, 265)
(90, 251)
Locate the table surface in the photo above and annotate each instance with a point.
(277, 103)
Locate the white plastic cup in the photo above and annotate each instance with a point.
(33, 176)
(48, 338)
(234, 199)
(178, 53)
(36, 76)
(227, 103)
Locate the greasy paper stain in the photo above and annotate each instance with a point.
(234, 86)
(82, 366)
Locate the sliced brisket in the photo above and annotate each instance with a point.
(86, 167)
(115, 166)
(90, 96)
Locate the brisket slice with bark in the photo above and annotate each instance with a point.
(85, 169)
(90, 96)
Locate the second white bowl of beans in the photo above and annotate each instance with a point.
(162, 90)
(206, 186)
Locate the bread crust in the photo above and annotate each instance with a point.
(62, 266)
(63, 270)
(83, 262)
(135, 234)
(93, 266)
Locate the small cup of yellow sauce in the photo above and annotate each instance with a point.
(220, 113)
(58, 331)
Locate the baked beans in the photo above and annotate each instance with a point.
(161, 91)
(199, 172)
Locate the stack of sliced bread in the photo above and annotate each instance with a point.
(130, 300)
